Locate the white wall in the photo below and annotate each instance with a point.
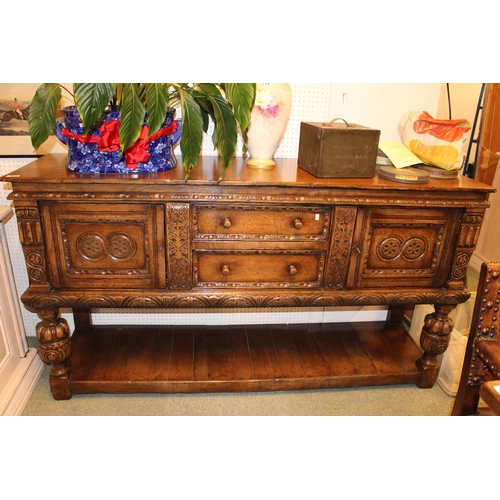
(382, 105)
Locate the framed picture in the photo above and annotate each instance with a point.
(15, 102)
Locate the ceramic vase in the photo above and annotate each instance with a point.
(269, 120)
(99, 151)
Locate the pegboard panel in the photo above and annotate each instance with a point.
(310, 102)
(202, 316)
(7, 165)
(239, 316)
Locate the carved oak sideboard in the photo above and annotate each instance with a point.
(257, 239)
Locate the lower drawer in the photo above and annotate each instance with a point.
(263, 269)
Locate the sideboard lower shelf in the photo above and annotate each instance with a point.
(186, 359)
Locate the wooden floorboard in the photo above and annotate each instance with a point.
(333, 351)
(262, 353)
(122, 356)
(90, 339)
(360, 359)
(288, 357)
(181, 366)
(145, 349)
(403, 346)
(241, 358)
(381, 354)
(309, 352)
(163, 353)
(103, 355)
(220, 354)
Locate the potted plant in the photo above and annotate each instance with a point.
(143, 108)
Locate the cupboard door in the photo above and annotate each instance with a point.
(101, 245)
(402, 247)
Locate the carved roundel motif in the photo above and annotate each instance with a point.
(394, 246)
(390, 248)
(118, 246)
(414, 248)
(92, 246)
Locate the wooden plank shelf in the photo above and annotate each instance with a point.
(187, 359)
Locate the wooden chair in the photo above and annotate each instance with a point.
(481, 369)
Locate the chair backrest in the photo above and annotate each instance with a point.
(482, 356)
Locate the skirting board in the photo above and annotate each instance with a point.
(476, 261)
(16, 394)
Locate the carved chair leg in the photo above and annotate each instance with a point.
(434, 340)
(55, 348)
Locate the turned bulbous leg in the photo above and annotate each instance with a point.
(434, 340)
(54, 345)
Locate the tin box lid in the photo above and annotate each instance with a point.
(340, 124)
(407, 175)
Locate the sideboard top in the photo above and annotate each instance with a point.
(51, 169)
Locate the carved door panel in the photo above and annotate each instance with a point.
(402, 247)
(94, 245)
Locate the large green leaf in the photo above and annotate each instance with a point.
(206, 108)
(241, 96)
(225, 133)
(192, 130)
(42, 114)
(91, 99)
(132, 112)
(157, 105)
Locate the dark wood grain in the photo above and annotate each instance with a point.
(282, 358)
(257, 239)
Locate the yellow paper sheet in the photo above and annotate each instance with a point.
(399, 154)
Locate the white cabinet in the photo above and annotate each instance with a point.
(20, 366)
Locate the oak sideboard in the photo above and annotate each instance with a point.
(256, 239)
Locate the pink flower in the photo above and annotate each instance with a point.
(270, 111)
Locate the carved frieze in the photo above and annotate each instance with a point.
(245, 197)
(34, 257)
(467, 240)
(30, 230)
(178, 246)
(344, 221)
(231, 298)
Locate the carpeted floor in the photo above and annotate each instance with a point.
(366, 401)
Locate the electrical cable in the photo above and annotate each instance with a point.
(449, 100)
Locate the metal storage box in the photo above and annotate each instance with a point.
(338, 149)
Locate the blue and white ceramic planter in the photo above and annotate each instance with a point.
(99, 151)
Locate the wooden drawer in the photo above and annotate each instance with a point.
(263, 269)
(269, 223)
(104, 245)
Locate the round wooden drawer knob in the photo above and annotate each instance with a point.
(226, 223)
(297, 223)
(292, 270)
(225, 270)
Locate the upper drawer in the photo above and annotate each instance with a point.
(269, 223)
